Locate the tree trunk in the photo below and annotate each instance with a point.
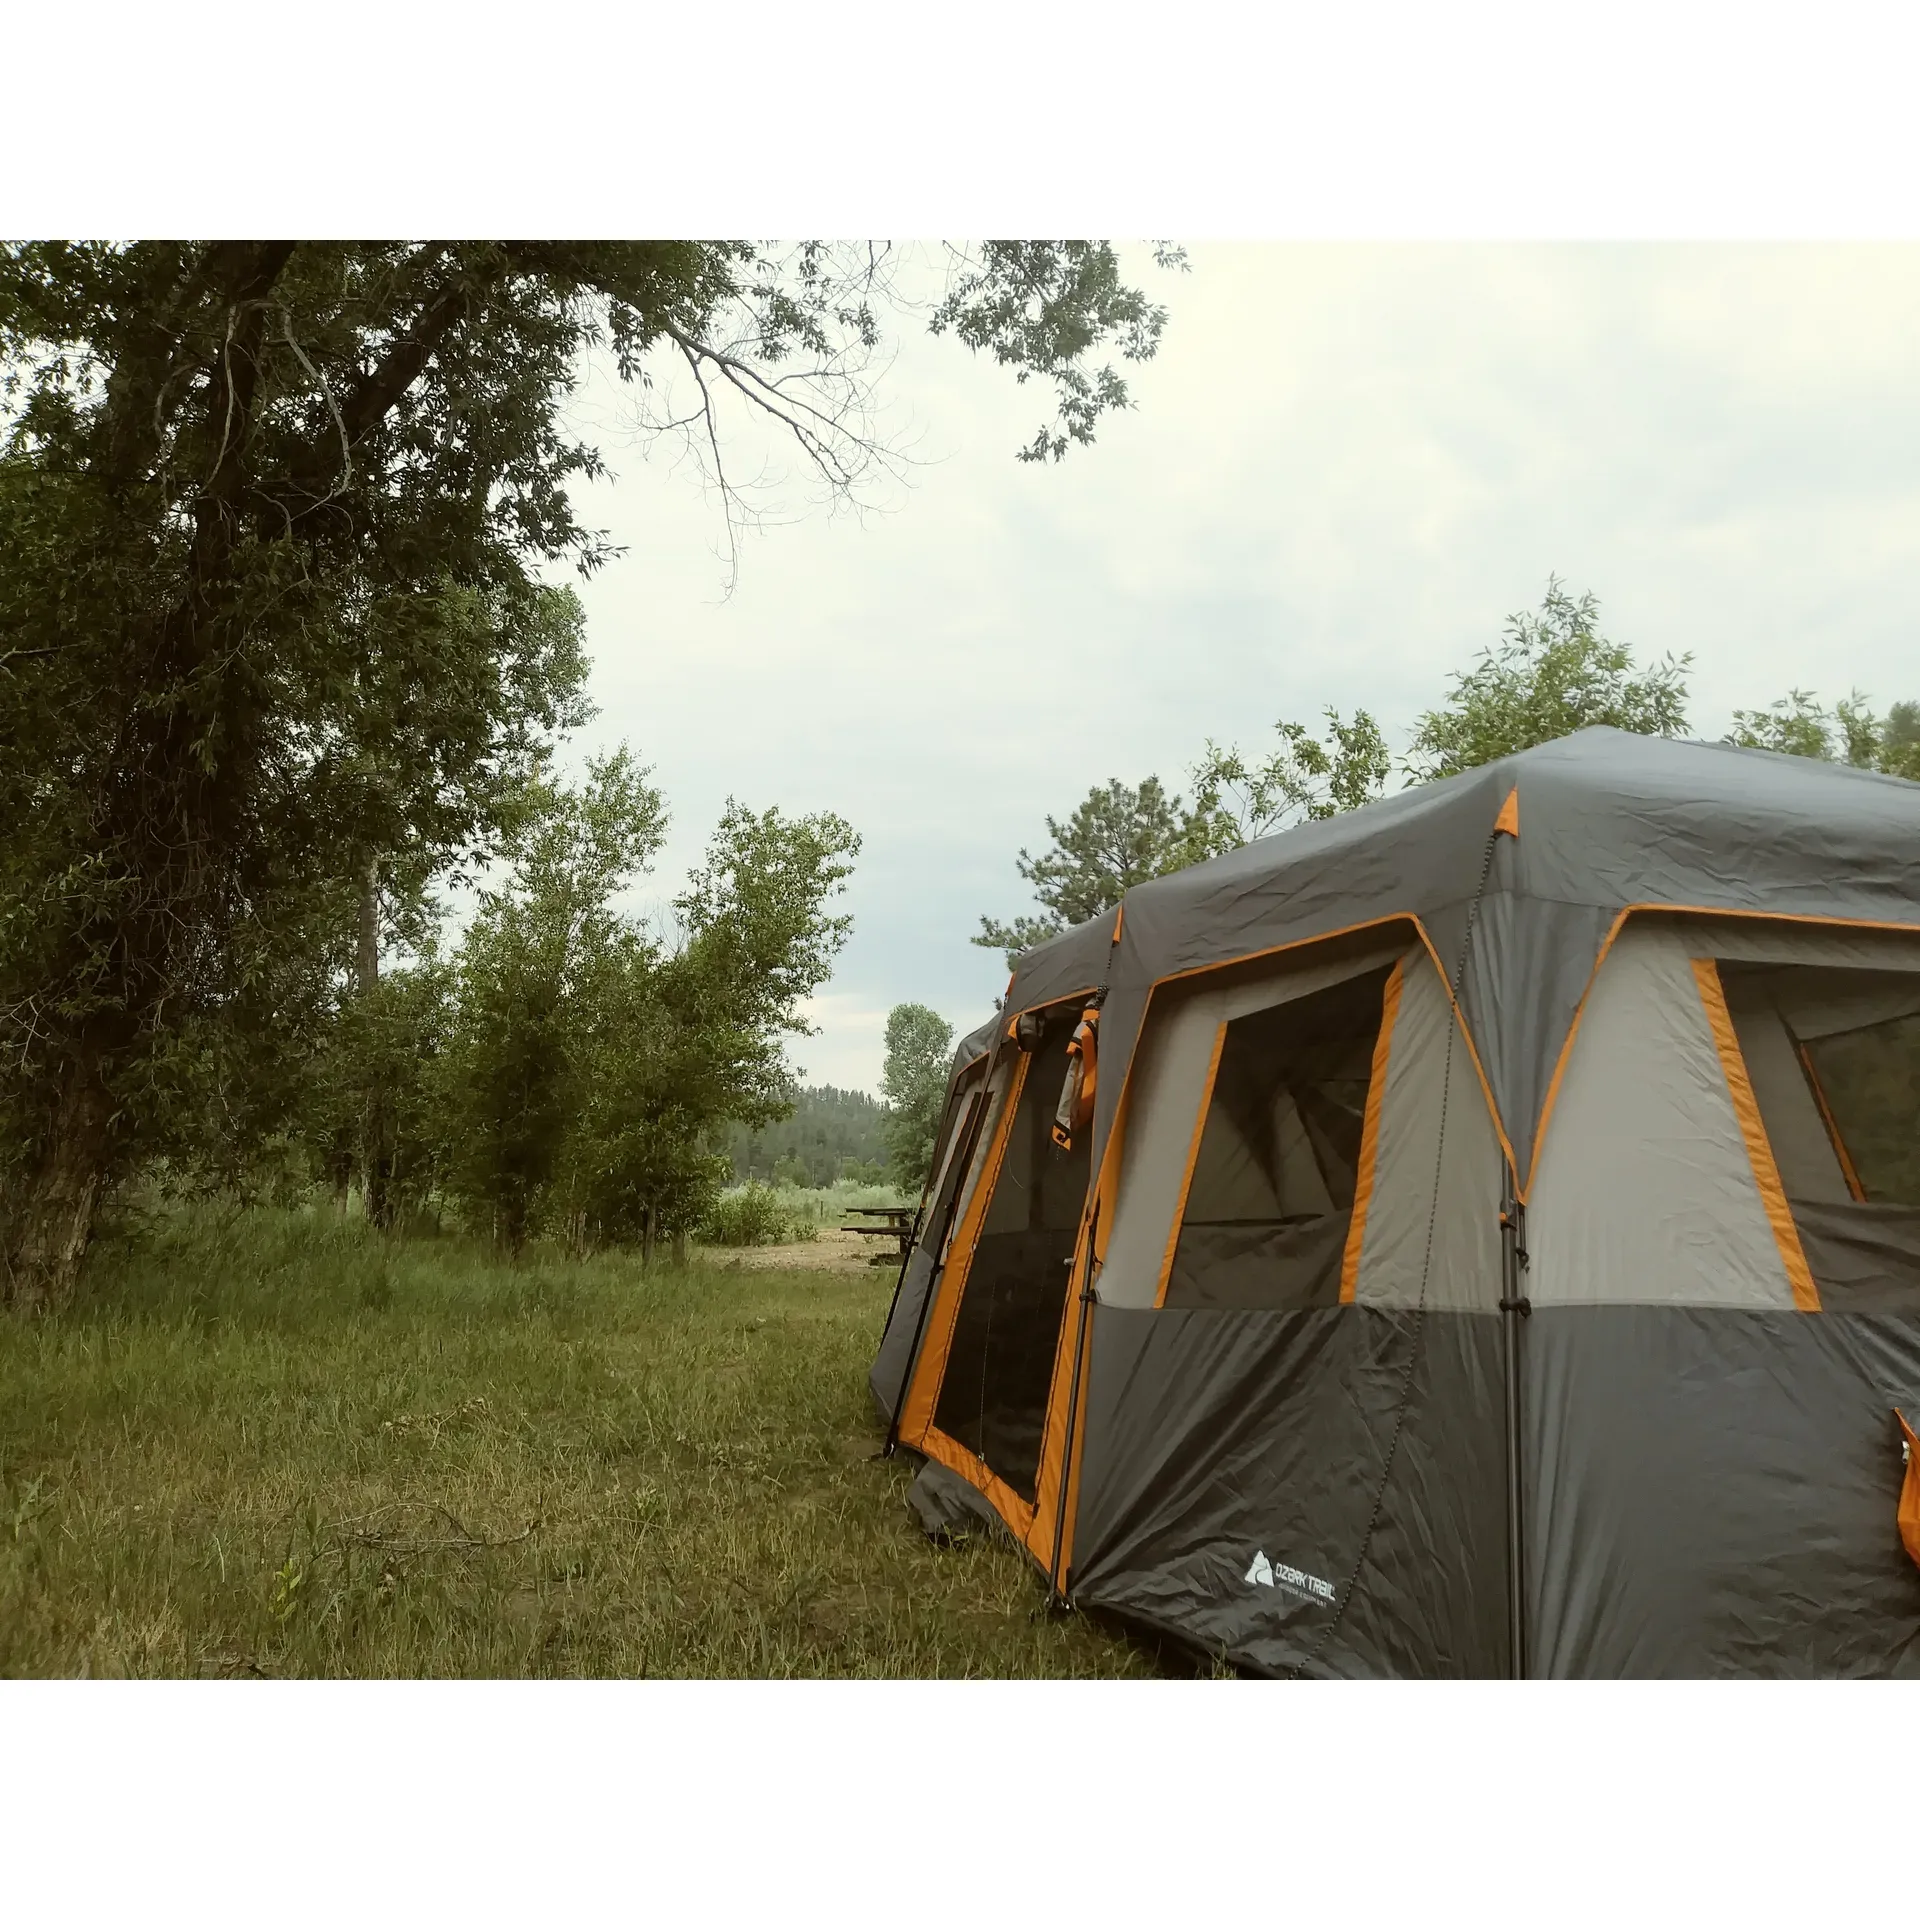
(646, 1236)
(48, 1234)
(679, 1246)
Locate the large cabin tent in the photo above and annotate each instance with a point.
(1476, 1234)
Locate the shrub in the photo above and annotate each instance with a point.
(755, 1216)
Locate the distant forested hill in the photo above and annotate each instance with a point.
(832, 1132)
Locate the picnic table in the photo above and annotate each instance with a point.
(896, 1222)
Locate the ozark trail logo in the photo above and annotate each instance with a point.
(1274, 1573)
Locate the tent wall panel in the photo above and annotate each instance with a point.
(1714, 1491)
(1213, 1437)
(1434, 1213)
(1645, 1191)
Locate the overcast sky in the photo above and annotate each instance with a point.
(1346, 467)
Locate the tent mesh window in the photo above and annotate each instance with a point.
(993, 1396)
(1833, 1054)
(1272, 1192)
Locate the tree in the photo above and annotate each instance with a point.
(1236, 800)
(678, 1048)
(914, 1080)
(515, 1039)
(1116, 837)
(272, 516)
(830, 1131)
(1851, 731)
(1550, 674)
(367, 1100)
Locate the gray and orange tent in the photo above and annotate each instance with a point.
(1476, 1234)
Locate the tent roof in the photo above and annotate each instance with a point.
(1607, 820)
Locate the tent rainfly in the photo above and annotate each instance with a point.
(1474, 1235)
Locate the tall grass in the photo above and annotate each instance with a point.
(274, 1444)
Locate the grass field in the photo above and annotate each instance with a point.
(272, 1445)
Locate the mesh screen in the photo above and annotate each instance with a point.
(993, 1397)
(1273, 1183)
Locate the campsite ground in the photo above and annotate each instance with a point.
(274, 1446)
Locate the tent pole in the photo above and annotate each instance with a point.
(1514, 1307)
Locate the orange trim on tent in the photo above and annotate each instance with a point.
(1909, 1512)
(1046, 1480)
(1566, 1051)
(1107, 1186)
(1832, 1125)
(1473, 1052)
(1509, 820)
(1193, 1156)
(1806, 1296)
(1046, 1497)
(1370, 1134)
(1119, 921)
(923, 1390)
(922, 1399)
(975, 1471)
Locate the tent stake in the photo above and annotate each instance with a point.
(1514, 1307)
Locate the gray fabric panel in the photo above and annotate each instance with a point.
(1864, 1256)
(1645, 1190)
(1413, 852)
(1767, 942)
(1803, 1152)
(1215, 1436)
(1120, 1019)
(1072, 962)
(1613, 819)
(1713, 1492)
(888, 1374)
(1530, 962)
(949, 1507)
(972, 1046)
(1825, 1006)
(1434, 1218)
(898, 1338)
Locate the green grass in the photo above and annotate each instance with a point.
(270, 1445)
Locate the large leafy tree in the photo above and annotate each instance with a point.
(273, 516)
(524, 993)
(592, 1069)
(686, 1043)
(1550, 674)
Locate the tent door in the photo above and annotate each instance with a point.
(986, 1376)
